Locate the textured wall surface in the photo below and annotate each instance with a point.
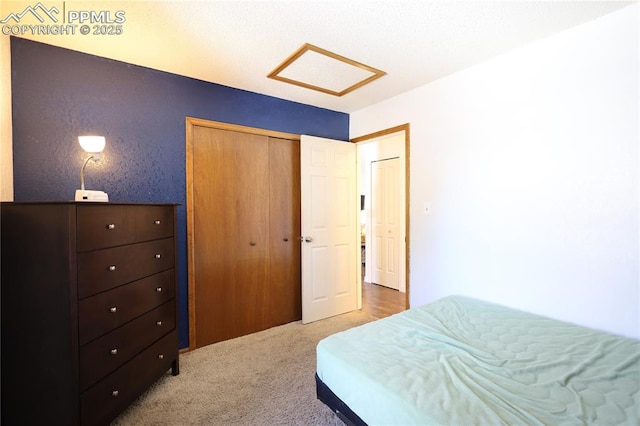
(59, 94)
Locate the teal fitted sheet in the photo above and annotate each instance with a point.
(462, 361)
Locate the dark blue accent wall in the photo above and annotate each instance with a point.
(58, 94)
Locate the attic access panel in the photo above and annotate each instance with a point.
(319, 69)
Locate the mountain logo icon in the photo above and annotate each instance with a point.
(38, 10)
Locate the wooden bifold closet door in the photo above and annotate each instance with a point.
(246, 223)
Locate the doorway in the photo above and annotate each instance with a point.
(383, 182)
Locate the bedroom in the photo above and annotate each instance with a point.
(549, 225)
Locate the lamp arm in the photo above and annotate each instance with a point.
(82, 172)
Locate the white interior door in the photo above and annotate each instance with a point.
(330, 235)
(385, 222)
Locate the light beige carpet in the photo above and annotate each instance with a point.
(266, 378)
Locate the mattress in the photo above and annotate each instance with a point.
(464, 361)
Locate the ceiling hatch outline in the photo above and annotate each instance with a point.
(319, 69)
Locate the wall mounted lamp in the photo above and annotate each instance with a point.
(93, 145)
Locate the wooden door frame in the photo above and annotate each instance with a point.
(192, 122)
(368, 137)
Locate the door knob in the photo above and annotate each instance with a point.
(308, 239)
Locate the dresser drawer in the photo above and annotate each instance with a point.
(103, 355)
(104, 312)
(102, 270)
(101, 226)
(102, 402)
(154, 222)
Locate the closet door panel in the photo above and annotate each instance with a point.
(230, 181)
(284, 303)
(211, 228)
(251, 210)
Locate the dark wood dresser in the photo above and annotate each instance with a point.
(88, 294)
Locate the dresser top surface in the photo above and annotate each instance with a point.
(83, 203)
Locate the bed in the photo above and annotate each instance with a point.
(462, 361)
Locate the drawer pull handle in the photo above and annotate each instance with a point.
(158, 256)
(158, 289)
(111, 226)
(159, 323)
(112, 268)
(114, 351)
(115, 393)
(156, 222)
(161, 356)
(113, 309)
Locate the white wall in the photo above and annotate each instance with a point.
(530, 164)
(6, 146)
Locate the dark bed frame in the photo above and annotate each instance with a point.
(341, 409)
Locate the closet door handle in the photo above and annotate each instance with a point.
(252, 243)
(285, 239)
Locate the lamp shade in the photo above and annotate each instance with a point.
(93, 144)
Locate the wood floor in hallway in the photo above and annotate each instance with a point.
(381, 301)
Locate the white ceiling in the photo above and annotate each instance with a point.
(238, 43)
